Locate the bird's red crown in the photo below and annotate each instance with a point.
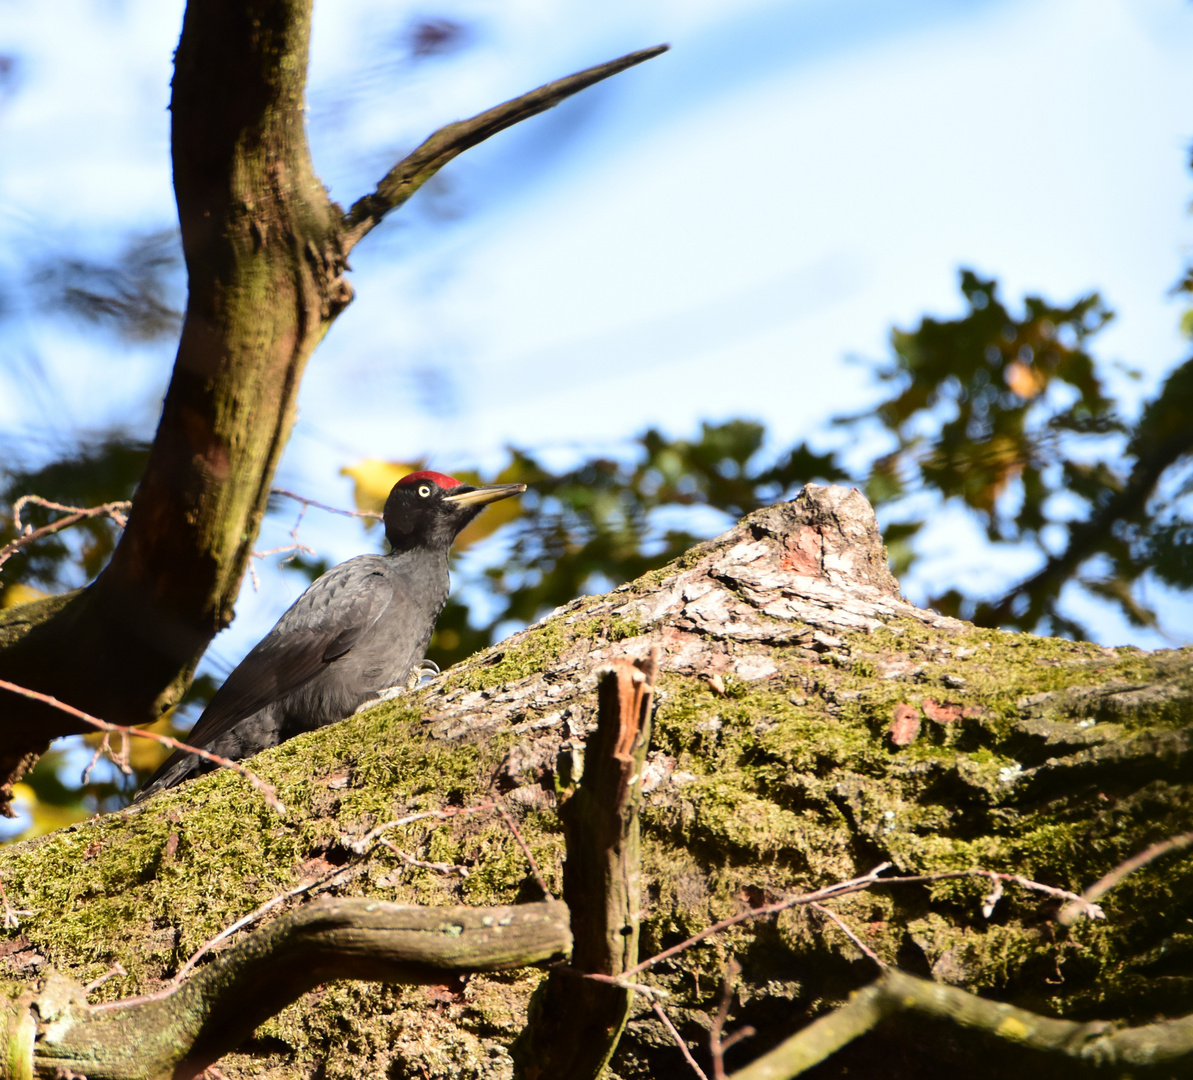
(439, 478)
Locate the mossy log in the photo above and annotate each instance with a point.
(809, 724)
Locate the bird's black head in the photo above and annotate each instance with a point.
(428, 509)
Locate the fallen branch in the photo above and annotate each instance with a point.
(182, 1031)
(1154, 1050)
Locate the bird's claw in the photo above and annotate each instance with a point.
(427, 669)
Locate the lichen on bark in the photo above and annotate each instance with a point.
(786, 652)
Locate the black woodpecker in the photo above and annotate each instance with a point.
(359, 630)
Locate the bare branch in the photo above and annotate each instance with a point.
(683, 1046)
(241, 923)
(439, 867)
(534, 866)
(361, 844)
(323, 506)
(841, 888)
(843, 926)
(717, 1042)
(858, 884)
(359, 848)
(1075, 908)
(74, 514)
(405, 178)
(103, 725)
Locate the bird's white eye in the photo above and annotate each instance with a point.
(424, 490)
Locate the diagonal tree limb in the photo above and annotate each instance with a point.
(409, 174)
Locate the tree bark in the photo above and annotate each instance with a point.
(787, 654)
(266, 254)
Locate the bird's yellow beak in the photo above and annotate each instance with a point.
(482, 495)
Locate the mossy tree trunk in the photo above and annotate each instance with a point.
(810, 724)
(266, 253)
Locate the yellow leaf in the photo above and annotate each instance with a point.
(375, 478)
(489, 521)
(1023, 380)
(45, 817)
(17, 593)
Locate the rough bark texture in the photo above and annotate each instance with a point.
(1042, 757)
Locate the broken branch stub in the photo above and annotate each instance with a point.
(575, 1023)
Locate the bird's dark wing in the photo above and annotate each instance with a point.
(322, 625)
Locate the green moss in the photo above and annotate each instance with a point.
(1055, 760)
(525, 654)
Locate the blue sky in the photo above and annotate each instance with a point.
(707, 236)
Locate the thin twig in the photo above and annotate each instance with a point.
(718, 1044)
(679, 1041)
(117, 511)
(841, 888)
(266, 789)
(534, 866)
(359, 847)
(410, 860)
(614, 980)
(295, 548)
(95, 984)
(1092, 910)
(361, 844)
(1069, 913)
(119, 759)
(74, 514)
(859, 884)
(828, 913)
(11, 922)
(323, 506)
